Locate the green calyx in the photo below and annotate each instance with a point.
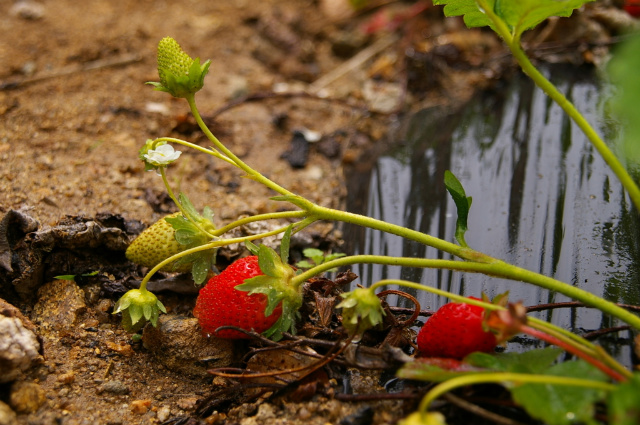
(361, 310)
(180, 75)
(277, 284)
(191, 231)
(138, 306)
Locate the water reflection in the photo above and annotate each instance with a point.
(542, 198)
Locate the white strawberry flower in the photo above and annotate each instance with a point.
(162, 156)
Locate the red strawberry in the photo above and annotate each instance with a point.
(454, 331)
(632, 7)
(220, 304)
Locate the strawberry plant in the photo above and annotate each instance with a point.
(263, 293)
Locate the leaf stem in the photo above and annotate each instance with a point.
(614, 374)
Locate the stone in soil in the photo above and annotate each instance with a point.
(19, 346)
(177, 343)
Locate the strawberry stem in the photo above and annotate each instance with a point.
(579, 353)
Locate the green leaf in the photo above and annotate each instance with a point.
(559, 404)
(313, 253)
(518, 15)
(334, 256)
(624, 402)
(294, 199)
(531, 361)
(436, 369)
(161, 307)
(73, 276)
(473, 16)
(273, 302)
(304, 264)
(463, 204)
(521, 15)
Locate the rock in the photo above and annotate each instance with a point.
(7, 416)
(29, 10)
(113, 387)
(178, 344)
(19, 346)
(140, 407)
(60, 303)
(26, 397)
(163, 413)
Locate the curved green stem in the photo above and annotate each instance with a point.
(497, 269)
(596, 362)
(260, 217)
(253, 174)
(518, 378)
(196, 147)
(324, 213)
(513, 42)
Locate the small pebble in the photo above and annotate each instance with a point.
(27, 10)
(163, 413)
(114, 387)
(67, 378)
(140, 407)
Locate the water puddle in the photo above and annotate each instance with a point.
(543, 199)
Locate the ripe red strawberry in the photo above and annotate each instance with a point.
(220, 304)
(454, 331)
(632, 7)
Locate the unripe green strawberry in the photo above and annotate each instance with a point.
(180, 75)
(155, 244)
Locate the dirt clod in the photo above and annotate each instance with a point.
(26, 397)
